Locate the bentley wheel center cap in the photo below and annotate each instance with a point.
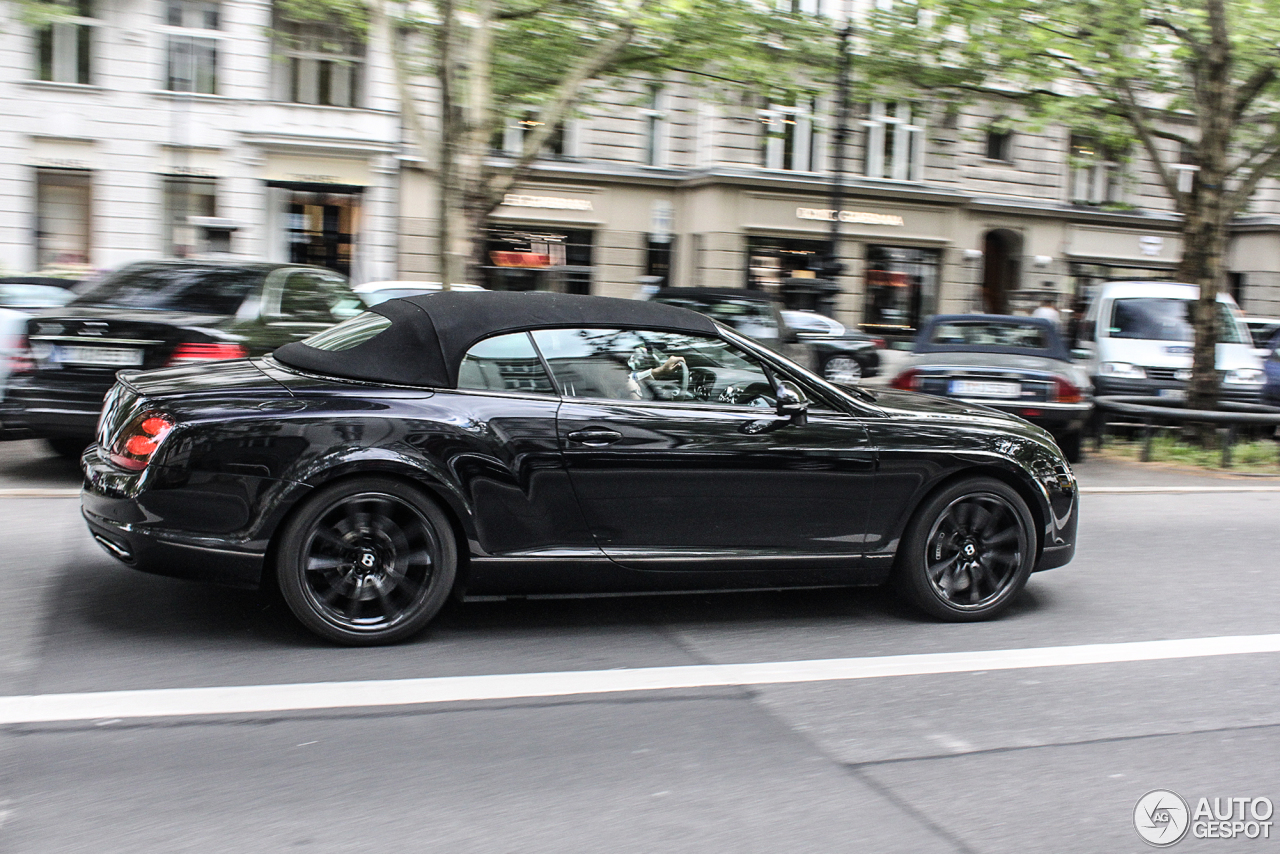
(970, 550)
(367, 560)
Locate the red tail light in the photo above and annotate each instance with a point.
(187, 353)
(879, 342)
(908, 380)
(1065, 392)
(133, 447)
(21, 361)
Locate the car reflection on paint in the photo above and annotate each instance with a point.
(481, 444)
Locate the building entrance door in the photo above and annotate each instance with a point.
(1001, 269)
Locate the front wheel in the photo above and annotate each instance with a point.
(968, 552)
(366, 561)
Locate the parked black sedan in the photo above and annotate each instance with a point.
(157, 313)
(520, 443)
(1016, 364)
(845, 358)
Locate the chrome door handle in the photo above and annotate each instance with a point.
(595, 436)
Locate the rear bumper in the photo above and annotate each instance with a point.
(1055, 417)
(122, 516)
(52, 412)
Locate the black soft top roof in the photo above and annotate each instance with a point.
(430, 333)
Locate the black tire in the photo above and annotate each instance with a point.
(968, 551)
(366, 561)
(842, 368)
(1071, 445)
(67, 448)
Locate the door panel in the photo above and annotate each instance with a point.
(674, 485)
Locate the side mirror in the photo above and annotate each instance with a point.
(1081, 355)
(788, 335)
(792, 405)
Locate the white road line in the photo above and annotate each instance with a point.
(256, 699)
(36, 492)
(1174, 490)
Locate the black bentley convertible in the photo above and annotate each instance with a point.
(532, 443)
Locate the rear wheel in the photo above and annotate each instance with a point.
(842, 369)
(968, 552)
(367, 561)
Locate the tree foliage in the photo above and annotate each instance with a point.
(1191, 82)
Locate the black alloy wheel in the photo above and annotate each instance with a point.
(367, 561)
(969, 551)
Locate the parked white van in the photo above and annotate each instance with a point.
(1138, 336)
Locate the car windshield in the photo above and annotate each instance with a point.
(995, 334)
(204, 290)
(1168, 319)
(752, 318)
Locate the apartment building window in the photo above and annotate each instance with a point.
(788, 139)
(64, 48)
(655, 127)
(510, 137)
(185, 198)
(1094, 173)
(894, 144)
(999, 145)
(1185, 168)
(322, 63)
(192, 53)
(62, 216)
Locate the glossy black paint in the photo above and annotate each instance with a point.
(562, 495)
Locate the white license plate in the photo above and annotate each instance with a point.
(972, 388)
(106, 356)
(1172, 393)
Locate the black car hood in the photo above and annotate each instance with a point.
(910, 403)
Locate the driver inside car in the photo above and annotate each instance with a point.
(646, 365)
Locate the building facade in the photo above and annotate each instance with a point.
(943, 210)
(174, 128)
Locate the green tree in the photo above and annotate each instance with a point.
(486, 60)
(1172, 78)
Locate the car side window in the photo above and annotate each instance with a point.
(504, 363)
(621, 364)
(312, 295)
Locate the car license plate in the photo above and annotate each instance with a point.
(972, 388)
(1172, 393)
(106, 356)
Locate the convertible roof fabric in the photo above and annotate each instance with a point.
(430, 333)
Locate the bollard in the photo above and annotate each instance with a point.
(1228, 439)
(1148, 434)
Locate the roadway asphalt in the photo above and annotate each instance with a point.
(982, 760)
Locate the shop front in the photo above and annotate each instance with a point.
(901, 285)
(317, 207)
(538, 258)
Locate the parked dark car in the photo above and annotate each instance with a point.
(1015, 364)
(518, 443)
(155, 314)
(845, 358)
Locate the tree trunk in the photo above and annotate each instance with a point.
(1205, 223)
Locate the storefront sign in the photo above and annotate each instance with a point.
(56, 153)
(558, 203)
(859, 217)
(305, 169)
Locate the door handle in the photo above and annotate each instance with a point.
(595, 436)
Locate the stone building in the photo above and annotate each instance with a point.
(171, 128)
